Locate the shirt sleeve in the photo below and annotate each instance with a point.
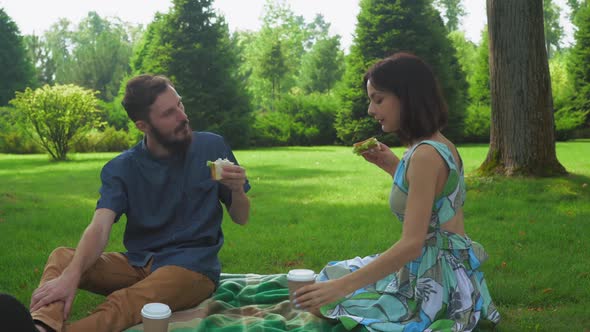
(113, 192)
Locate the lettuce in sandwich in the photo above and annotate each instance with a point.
(362, 146)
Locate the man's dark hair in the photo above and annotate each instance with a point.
(14, 315)
(141, 92)
(423, 107)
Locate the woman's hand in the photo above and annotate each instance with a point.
(383, 157)
(319, 294)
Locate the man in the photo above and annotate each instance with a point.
(14, 315)
(173, 232)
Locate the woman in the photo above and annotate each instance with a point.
(429, 279)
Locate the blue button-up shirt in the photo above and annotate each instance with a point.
(172, 205)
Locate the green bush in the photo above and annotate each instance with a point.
(12, 138)
(59, 115)
(18, 142)
(114, 114)
(298, 120)
(109, 140)
(114, 140)
(477, 123)
(271, 128)
(313, 118)
(567, 120)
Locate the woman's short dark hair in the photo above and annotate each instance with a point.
(423, 107)
(141, 92)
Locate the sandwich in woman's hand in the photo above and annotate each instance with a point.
(362, 146)
(216, 167)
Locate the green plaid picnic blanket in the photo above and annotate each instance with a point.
(248, 302)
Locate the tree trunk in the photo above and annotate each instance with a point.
(522, 134)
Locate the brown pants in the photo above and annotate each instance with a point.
(127, 289)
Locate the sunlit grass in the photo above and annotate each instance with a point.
(314, 205)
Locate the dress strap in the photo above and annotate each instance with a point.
(446, 154)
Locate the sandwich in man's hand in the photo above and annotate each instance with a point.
(362, 146)
(216, 167)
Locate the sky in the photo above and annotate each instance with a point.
(36, 16)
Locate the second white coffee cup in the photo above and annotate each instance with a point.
(298, 278)
(155, 317)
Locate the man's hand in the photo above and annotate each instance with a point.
(90, 247)
(234, 177)
(62, 288)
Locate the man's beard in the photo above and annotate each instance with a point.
(174, 146)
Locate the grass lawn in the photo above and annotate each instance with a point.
(314, 205)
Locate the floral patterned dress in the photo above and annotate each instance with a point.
(442, 290)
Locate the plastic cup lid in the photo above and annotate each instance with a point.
(301, 275)
(156, 311)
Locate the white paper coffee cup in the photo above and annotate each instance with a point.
(298, 278)
(155, 317)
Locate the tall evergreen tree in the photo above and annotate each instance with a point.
(191, 44)
(388, 26)
(16, 72)
(152, 54)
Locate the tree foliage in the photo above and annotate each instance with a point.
(58, 42)
(474, 61)
(562, 85)
(100, 56)
(272, 56)
(16, 69)
(273, 68)
(553, 29)
(41, 59)
(57, 115)
(574, 6)
(580, 61)
(291, 67)
(385, 27)
(466, 52)
(479, 80)
(453, 10)
(191, 44)
(322, 67)
(580, 56)
(95, 54)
